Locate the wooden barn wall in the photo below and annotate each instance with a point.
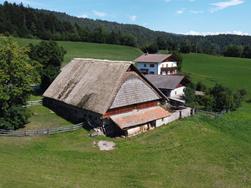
(73, 114)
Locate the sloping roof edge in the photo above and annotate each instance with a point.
(153, 58)
(153, 86)
(67, 75)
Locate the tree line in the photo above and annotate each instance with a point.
(20, 21)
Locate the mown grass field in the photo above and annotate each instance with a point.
(231, 72)
(195, 152)
(42, 117)
(90, 50)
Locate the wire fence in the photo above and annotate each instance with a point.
(39, 132)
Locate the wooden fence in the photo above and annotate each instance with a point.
(209, 114)
(40, 132)
(34, 103)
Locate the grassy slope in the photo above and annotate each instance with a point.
(91, 50)
(42, 117)
(196, 152)
(232, 72)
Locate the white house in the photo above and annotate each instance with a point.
(171, 86)
(160, 64)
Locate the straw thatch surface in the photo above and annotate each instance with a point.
(96, 85)
(88, 83)
(134, 90)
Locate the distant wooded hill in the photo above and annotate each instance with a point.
(21, 21)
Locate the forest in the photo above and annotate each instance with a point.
(20, 21)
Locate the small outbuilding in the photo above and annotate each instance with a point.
(111, 95)
(172, 86)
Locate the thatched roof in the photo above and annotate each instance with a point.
(165, 81)
(93, 85)
(134, 90)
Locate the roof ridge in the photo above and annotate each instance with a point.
(102, 60)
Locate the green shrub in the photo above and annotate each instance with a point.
(201, 87)
(14, 117)
(50, 56)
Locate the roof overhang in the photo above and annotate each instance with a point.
(139, 117)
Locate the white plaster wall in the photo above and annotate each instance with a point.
(179, 114)
(177, 92)
(150, 69)
(137, 130)
(174, 116)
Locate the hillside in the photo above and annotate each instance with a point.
(194, 152)
(91, 50)
(231, 72)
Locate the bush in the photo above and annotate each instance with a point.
(243, 93)
(201, 87)
(205, 102)
(50, 56)
(179, 58)
(190, 97)
(225, 99)
(15, 117)
(218, 99)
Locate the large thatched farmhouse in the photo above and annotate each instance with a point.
(111, 95)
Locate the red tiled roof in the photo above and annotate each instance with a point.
(139, 117)
(153, 58)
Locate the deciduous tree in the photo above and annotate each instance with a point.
(17, 74)
(50, 55)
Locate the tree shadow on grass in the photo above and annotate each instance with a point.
(248, 101)
(37, 91)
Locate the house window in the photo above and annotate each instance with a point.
(151, 65)
(144, 71)
(151, 72)
(144, 65)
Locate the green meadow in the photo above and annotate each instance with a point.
(90, 50)
(231, 72)
(195, 152)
